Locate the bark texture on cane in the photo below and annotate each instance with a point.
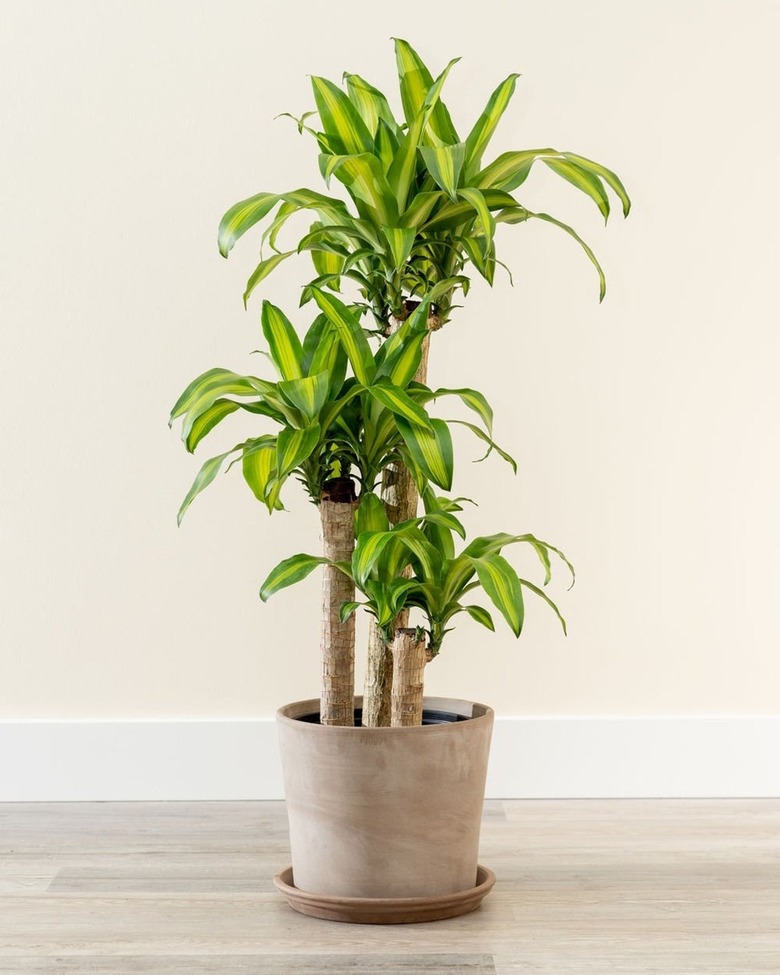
(409, 657)
(399, 494)
(338, 639)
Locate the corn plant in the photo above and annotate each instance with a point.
(337, 435)
(413, 565)
(416, 213)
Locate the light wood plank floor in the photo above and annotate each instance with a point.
(584, 887)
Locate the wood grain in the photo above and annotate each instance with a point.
(680, 887)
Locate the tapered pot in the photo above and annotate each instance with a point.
(389, 816)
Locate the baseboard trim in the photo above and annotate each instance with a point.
(532, 757)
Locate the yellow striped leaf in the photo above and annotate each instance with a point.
(416, 82)
(399, 243)
(293, 447)
(195, 430)
(370, 515)
(431, 450)
(611, 179)
(241, 216)
(262, 271)
(350, 334)
(209, 387)
(397, 401)
(502, 586)
(346, 130)
(307, 394)
(590, 185)
(572, 233)
(445, 163)
(485, 126)
(363, 177)
(546, 598)
(283, 342)
(371, 104)
(204, 477)
(510, 169)
(288, 572)
(477, 200)
(258, 465)
(368, 548)
(401, 363)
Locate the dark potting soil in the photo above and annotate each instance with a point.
(429, 717)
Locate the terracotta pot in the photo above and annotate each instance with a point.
(385, 812)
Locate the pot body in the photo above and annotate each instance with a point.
(385, 812)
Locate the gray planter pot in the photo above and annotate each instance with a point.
(385, 814)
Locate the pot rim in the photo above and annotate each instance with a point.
(471, 710)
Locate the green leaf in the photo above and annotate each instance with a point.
(546, 598)
(492, 445)
(283, 342)
(209, 387)
(584, 180)
(510, 169)
(446, 520)
(611, 179)
(347, 609)
(288, 572)
(307, 394)
(262, 271)
(415, 82)
(205, 476)
(445, 163)
(202, 423)
(368, 549)
(241, 216)
(350, 334)
(327, 262)
(346, 130)
(485, 126)
(399, 241)
(474, 400)
(370, 515)
(455, 214)
(431, 450)
(397, 401)
(502, 586)
(481, 616)
(402, 361)
(429, 560)
(420, 208)
(294, 446)
(385, 145)
(477, 199)
(363, 177)
(371, 104)
(258, 465)
(403, 169)
(572, 233)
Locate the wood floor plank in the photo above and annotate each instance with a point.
(265, 964)
(631, 886)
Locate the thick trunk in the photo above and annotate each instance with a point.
(399, 494)
(409, 658)
(338, 639)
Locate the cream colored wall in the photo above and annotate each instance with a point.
(646, 429)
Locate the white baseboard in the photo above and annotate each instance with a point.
(532, 758)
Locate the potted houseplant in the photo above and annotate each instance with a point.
(384, 816)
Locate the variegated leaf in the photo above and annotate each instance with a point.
(288, 572)
(485, 126)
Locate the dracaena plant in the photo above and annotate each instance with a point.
(416, 213)
(337, 433)
(414, 566)
(422, 207)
